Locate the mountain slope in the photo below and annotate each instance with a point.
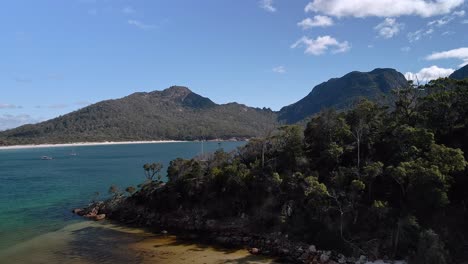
(175, 113)
(460, 74)
(342, 92)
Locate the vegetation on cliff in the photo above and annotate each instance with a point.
(374, 180)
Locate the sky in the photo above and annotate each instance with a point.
(61, 55)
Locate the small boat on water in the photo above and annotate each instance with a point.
(73, 154)
(46, 158)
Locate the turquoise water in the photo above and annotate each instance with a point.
(37, 196)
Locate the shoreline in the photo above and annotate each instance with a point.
(107, 143)
(81, 144)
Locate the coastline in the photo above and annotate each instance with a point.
(108, 143)
(80, 144)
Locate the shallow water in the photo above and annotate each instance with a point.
(92, 242)
(36, 196)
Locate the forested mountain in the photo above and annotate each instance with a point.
(175, 113)
(179, 114)
(342, 92)
(460, 74)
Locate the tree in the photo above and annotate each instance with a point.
(151, 170)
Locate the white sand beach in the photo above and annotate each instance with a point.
(88, 144)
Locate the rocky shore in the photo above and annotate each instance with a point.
(226, 232)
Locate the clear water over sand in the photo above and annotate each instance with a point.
(91, 242)
(36, 196)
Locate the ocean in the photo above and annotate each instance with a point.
(37, 196)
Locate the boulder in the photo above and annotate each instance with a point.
(254, 251)
(312, 249)
(324, 258)
(100, 217)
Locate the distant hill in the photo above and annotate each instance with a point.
(178, 113)
(460, 74)
(342, 92)
(175, 113)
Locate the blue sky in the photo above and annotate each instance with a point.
(60, 55)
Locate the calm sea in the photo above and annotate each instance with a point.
(36, 196)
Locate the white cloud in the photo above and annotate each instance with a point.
(267, 5)
(460, 13)
(389, 28)
(128, 10)
(317, 21)
(321, 44)
(140, 24)
(383, 8)
(279, 69)
(8, 121)
(427, 74)
(460, 53)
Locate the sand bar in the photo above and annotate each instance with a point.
(87, 144)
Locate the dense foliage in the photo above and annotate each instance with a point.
(175, 113)
(372, 180)
(342, 93)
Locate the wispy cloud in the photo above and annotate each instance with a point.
(128, 10)
(460, 53)
(405, 49)
(267, 5)
(460, 13)
(389, 28)
(9, 106)
(419, 34)
(22, 79)
(383, 8)
(321, 44)
(140, 24)
(279, 69)
(434, 25)
(316, 21)
(8, 121)
(52, 106)
(427, 74)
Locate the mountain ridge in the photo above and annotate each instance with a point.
(460, 74)
(339, 92)
(177, 113)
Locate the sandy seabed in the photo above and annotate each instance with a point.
(92, 242)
